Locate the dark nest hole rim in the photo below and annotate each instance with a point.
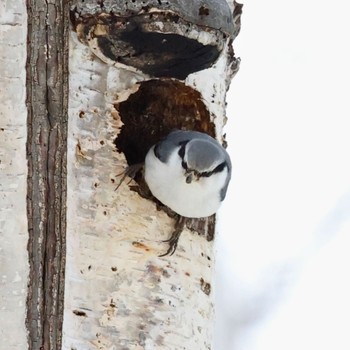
(156, 108)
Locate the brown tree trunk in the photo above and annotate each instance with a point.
(47, 92)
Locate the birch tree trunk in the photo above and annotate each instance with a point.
(90, 253)
(13, 176)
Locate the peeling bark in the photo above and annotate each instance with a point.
(47, 91)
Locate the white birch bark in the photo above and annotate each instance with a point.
(13, 176)
(119, 294)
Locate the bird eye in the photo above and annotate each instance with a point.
(182, 149)
(156, 150)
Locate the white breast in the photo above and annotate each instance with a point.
(168, 184)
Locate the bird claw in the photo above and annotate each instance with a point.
(170, 251)
(131, 172)
(174, 239)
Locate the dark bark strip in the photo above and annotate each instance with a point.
(47, 101)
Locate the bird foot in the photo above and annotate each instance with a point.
(174, 239)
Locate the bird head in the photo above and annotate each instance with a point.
(201, 159)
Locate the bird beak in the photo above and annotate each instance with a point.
(189, 178)
(192, 175)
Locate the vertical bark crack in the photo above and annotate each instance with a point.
(47, 103)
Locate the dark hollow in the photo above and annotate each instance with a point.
(158, 107)
(158, 54)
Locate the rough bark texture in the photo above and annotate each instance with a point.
(204, 13)
(119, 293)
(158, 38)
(13, 176)
(47, 88)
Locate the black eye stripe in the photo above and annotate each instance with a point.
(218, 169)
(184, 165)
(182, 149)
(156, 151)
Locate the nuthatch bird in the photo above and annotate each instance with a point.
(189, 172)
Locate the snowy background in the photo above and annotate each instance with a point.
(283, 269)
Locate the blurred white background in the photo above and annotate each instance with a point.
(283, 261)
